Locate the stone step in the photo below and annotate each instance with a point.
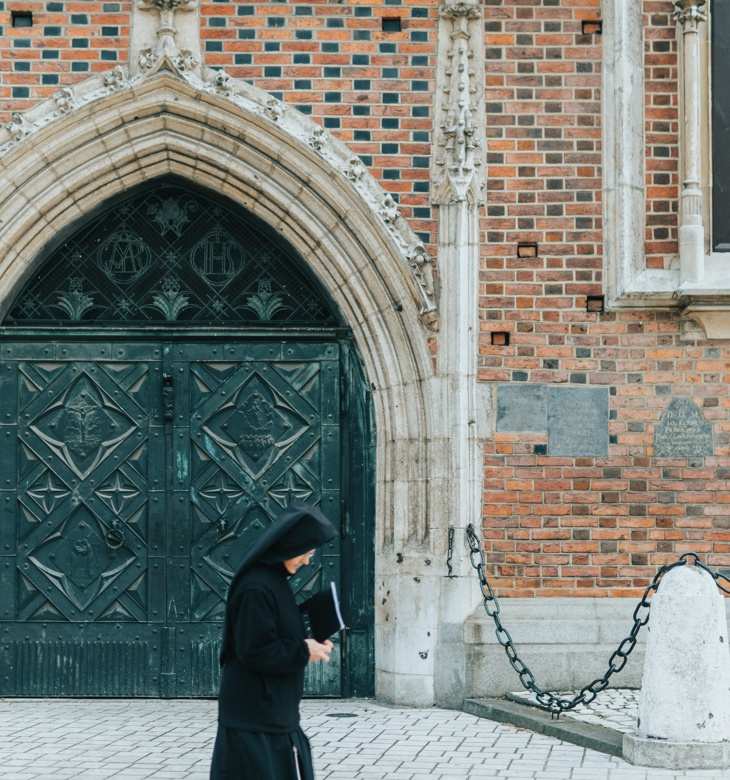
(587, 735)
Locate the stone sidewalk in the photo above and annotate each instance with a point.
(85, 739)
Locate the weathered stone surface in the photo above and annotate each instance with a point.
(685, 694)
(683, 431)
(577, 421)
(675, 755)
(521, 408)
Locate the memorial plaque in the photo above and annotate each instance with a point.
(683, 432)
(577, 421)
(521, 408)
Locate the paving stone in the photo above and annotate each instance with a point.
(172, 740)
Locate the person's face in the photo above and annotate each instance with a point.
(292, 565)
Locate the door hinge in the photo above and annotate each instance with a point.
(344, 520)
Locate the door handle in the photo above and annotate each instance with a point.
(168, 397)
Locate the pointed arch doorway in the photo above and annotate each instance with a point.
(172, 376)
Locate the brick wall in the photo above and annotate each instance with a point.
(371, 88)
(568, 526)
(586, 526)
(662, 132)
(67, 42)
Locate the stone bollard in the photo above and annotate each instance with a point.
(684, 706)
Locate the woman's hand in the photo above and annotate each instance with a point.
(319, 651)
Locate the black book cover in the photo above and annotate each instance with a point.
(323, 610)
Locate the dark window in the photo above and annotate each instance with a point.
(720, 127)
(391, 24)
(21, 18)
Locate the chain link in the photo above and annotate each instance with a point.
(450, 553)
(549, 700)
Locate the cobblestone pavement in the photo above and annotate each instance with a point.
(56, 739)
(616, 708)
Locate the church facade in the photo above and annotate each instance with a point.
(426, 264)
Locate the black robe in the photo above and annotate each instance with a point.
(264, 656)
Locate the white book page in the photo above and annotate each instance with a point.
(337, 606)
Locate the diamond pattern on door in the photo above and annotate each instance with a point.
(263, 434)
(84, 535)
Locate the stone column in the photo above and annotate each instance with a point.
(689, 15)
(458, 191)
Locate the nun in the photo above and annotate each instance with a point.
(264, 654)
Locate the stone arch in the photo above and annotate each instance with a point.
(62, 159)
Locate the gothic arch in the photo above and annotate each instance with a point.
(61, 160)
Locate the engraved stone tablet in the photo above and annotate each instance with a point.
(683, 432)
(577, 421)
(521, 408)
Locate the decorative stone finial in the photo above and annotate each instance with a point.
(166, 48)
(458, 169)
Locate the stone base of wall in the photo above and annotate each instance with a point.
(565, 642)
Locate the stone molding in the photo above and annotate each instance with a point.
(712, 318)
(458, 163)
(697, 274)
(244, 97)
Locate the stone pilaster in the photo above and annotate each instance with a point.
(690, 14)
(458, 175)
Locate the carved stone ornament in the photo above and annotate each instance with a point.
(165, 51)
(186, 61)
(355, 169)
(458, 169)
(422, 267)
(64, 99)
(18, 127)
(273, 109)
(221, 83)
(115, 78)
(389, 210)
(318, 139)
(690, 13)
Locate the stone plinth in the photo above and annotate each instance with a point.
(684, 708)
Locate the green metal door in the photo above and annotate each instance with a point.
(82, 528)
(256, 426)
(172, 376)
(134, 477)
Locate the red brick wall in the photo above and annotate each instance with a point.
(543, 186)
(585, 526)
(662, 132)
(67, 43)
(568, 526)
(372, 89)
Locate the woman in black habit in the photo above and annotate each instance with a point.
(264, 654)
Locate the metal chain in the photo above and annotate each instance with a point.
(546, 699)
(450, 553)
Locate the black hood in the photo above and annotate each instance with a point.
(297, 530)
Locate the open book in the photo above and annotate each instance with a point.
(323, 610)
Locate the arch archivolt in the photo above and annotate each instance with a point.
(65, 157)
(67, 160)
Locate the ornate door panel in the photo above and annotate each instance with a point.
(256, 426)
(82, 499)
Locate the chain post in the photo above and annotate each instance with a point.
(549, 700)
